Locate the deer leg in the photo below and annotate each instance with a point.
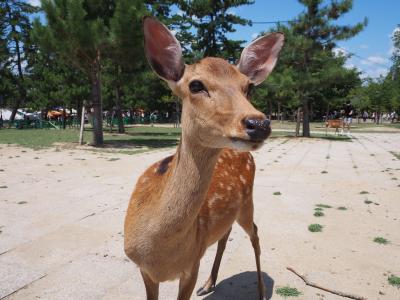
(209, 285)
(187, 282)
(151, 287)
(245, 220)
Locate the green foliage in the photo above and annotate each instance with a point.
(287, 291)
(323, 206)
(319, 214)
(315, 228)
(381, 240)
(394, 280)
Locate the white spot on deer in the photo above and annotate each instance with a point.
(221, 184)
(144, 179)
(229, 188)
(248, 167)
(220, 160)
(226, 173)
(242, 179)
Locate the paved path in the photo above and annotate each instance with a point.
(61, 222)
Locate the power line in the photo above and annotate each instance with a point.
(360, 57)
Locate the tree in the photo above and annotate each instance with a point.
(212, 19)
(16, 47)
(76, 31)
(314, 37)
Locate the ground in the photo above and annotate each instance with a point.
(62, 212)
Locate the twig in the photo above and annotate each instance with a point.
(309, 283)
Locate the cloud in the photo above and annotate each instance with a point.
(338, 52)
(34, 2)
(364, 46)
(254, 35)
(231, 11)
(374, 60)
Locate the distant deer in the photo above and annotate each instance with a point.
(336, 123)
(188, 201)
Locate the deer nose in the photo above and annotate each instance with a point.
(257, 129)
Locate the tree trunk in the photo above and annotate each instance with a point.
(82, 113)
(21, 89)
(96, 104)
(306, 119)
(118, 112)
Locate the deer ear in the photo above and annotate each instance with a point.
(163, 50)
(259, 58)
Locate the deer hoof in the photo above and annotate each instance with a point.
(204, 291)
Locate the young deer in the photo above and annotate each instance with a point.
(188, 201)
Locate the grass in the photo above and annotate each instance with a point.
(287, 291)
(324, 172)
(315, 227)
(323, 206)
(342, 208)
(277, 193)
(381, 240)
(135, 138)
(394, 280)
(364, 192)
(395, 154)
(319, 214)
(367, 201)
(318, 209)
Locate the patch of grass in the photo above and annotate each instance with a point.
(355, 167)
(394, 280)
(319, 214)
(327, 157)
(395, 154)
(342, 208)
(3, 187)
(324, 172)
(287, 291)
(22, 202)
(136, 137)
(113, 159)
(318, 209)
(394, 178)
(315, 227)
(367, 201)
(364, 192)
(277, 193)
(381, 240)
(323, 205)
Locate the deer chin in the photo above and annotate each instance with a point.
(245, 145)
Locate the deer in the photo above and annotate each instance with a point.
(188, 201)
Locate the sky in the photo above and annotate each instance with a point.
(372, 46)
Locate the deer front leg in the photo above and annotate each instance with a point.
(151, 287)
(245, 220)
(209, 285)
(188, 281)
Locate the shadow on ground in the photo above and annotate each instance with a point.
(139, 143)
(242, 286)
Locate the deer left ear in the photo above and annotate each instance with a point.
(259, 58)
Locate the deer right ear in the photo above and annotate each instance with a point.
(163, 50)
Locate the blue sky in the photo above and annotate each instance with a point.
(372, 46)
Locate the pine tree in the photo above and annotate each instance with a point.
(212, 19)
(76, 31)
(15, 48)
(315, 36)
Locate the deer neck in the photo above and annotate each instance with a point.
(186, 188)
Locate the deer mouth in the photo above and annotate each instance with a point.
(246, 144)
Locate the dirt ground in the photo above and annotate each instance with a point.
(62, 212)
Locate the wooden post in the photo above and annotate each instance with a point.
(298, 122)
(82, 125)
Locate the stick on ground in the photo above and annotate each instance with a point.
(309, 283)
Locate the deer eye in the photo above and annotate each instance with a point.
(250, 90)
(196, 86)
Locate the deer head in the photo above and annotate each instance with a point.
(216, 110)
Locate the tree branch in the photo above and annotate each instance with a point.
(309, 283)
